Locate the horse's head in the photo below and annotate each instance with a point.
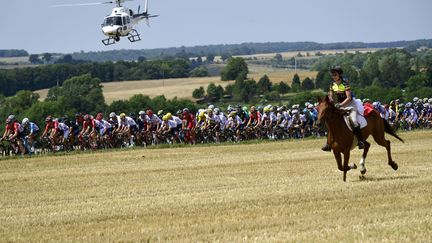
(325, 108)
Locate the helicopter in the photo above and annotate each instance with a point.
(121, 21)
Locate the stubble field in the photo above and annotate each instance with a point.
(264, 192)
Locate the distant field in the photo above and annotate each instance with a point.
(182, 87)
(287, 55)
(287, 191)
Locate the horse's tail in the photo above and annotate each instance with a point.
(388, 129)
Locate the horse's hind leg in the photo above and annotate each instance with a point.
(386, 143)
(363, 159)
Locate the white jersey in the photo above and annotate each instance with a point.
(153, 120)
(223, 120)
(177, 120)
(169, 124)
(127, 122)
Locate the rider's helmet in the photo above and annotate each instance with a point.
(252, 109)
(168, 115)
(216, 111)
(86, 117)
(408, 105)
(310, 106)
(160, 112)
(48, 119)
(260, 109)
(425, 100)
(25, 121)
(141, 113)
(430, 100)
(210, 111)
(179, 112)
(99, 116)
(122, 115)
(11, 117)
(149, 112)
(211, 107)
(266, 109)
(415, 99)
(165, 118)
(426, 105)
(185, 111)
(244, 108)
(112, 115)
(336, 69)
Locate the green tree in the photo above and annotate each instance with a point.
(47, 57)
(283, 88)
(34, 59)
(236, 68)
(214, 91)
(210, 58)
(296, 85)
(198, 93)
(307, 84)
(199, 72)
(278, 57)
(264, 84)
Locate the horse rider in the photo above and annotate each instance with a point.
(346, 101)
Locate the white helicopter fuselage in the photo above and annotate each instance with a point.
(119, 23)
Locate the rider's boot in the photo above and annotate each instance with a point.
(357, 133)
(326, 148)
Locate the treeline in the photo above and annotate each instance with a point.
(47, 76)
(383, 75)
(241, 49)
(80, 94)
(13, 53)
(245, 90)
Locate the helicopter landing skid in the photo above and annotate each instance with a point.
(134, 36)
(109, 41)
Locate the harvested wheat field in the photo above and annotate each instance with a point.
(264, 192)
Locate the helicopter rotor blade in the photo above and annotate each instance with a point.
(77, 4)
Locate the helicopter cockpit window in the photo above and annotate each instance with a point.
(113, 21)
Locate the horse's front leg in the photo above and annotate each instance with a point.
(338, 158)
(346, 168)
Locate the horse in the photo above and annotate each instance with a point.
(341, 139)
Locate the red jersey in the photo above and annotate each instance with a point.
(91, 123)
(15, 127)
(255, 117)
(190, 120)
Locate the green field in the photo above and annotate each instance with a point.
(263, 192)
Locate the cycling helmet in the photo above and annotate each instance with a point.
(244, 108)
(252, 109)
(149, 112)
(336, 69)
(209, 111)
(310, 106)
(160, 112)
(211, 107)
(112, 115)
(185, 110)
(266, 109)
(122, 115)
(87, 117)
(426, 105)
(179, 112)
(168, 115)
(415, 99)
(25, 121)
(216, 111)
(430, 101)
(165, 118)
(48, 119)
(425, 100)
(232, 113)
(99, 116)
(141, 113)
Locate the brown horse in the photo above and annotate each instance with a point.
(342, 139)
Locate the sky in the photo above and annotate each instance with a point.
(36, 27)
